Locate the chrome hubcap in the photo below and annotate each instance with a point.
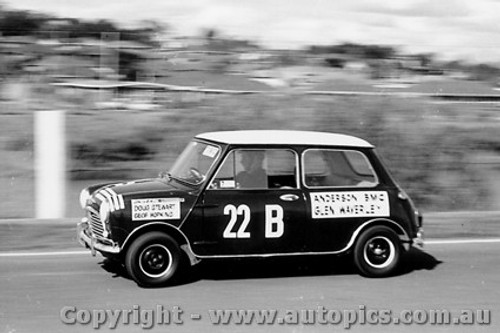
(155, 260)
(379, 252)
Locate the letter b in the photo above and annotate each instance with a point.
(274, 221)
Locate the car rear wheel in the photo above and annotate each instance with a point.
(153, 259)
(377, 252)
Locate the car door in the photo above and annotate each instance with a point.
(343, 192)
(253, 205)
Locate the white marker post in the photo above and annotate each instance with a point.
(50, 164)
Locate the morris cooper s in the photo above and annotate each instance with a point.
(240, 194)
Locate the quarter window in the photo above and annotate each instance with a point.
(337, 168)
(257, 169)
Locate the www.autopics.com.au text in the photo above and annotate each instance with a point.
(346, 318)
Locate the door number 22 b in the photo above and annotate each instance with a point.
(273, 221)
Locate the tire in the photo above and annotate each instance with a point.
(377, 252)
(153, 259)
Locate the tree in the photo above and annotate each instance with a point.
(425, 59)
(356, 50)
(20, 23)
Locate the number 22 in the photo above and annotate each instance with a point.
(234, 212)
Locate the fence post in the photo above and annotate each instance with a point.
(50, 164)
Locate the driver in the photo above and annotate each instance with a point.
(253, 175)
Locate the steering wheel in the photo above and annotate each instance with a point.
(196, 174)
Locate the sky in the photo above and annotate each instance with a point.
(452, 29)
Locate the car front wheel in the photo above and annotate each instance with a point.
(377, 252)
(153, 259)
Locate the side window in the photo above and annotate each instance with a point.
(257, 169)
(337, 168)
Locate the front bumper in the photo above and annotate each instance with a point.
(85, 238)
(419, 240)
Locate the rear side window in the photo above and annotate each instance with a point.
(337, 168)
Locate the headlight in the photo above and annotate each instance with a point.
(84, 197)
(104, 212)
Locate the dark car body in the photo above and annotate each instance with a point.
(309, 193)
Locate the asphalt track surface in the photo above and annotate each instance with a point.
(449, 275)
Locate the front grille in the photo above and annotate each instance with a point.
(96, 226)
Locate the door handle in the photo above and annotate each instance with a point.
(289, 197)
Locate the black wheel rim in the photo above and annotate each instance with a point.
(155, 260)
(379, 252)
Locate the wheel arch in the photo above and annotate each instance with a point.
(394, 226)
(164, 227)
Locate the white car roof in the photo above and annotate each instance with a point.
(280, 137)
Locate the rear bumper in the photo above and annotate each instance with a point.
(85, 238)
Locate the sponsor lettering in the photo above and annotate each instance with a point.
(349, 204)
(156, 209)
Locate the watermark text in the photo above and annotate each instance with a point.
(147, 318)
